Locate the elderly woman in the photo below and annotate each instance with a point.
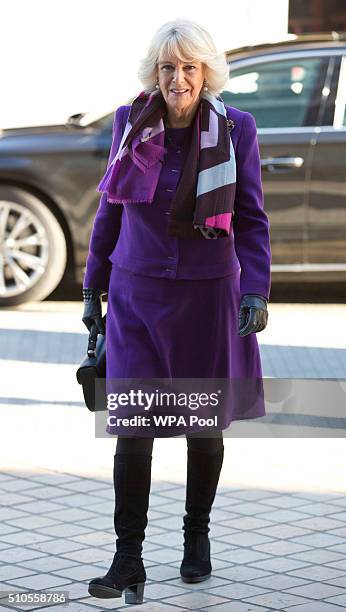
(180, 243)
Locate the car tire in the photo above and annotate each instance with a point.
(33, 250)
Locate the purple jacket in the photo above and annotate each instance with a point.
(135, 236)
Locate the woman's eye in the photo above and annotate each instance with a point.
(169, 67)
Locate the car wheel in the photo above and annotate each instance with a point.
(33, 252)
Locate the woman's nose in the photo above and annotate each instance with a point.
(178, 75)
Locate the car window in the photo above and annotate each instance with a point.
(340, 102)
(280, 93)
(104, 123)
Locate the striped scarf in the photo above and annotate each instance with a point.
(202, 205)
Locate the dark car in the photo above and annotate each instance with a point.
(296, 89)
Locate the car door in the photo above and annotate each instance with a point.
(327, 202)
(283, 92)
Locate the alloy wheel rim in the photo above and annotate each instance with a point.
(24, 249)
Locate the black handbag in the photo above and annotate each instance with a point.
(92, 368)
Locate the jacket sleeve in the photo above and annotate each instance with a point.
(106, 225)
(251, 224)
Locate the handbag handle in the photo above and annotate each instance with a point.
(92, 340)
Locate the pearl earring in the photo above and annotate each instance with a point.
(205, 87)
(157, 86)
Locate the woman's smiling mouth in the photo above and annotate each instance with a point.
(178, 92)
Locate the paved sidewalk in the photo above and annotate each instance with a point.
(278, 523)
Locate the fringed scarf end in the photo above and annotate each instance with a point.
(127, 201)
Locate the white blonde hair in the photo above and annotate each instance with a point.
(187, 40)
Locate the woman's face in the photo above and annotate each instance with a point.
(186, 77)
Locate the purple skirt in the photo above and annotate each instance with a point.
(163, 328)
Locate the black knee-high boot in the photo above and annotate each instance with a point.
(132, 479)
(203, 471)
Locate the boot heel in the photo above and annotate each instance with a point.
(134, 593)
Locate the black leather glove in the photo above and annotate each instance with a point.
(92, 316)
(253, 314)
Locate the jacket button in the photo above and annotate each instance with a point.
(173, 170)
(168, 189)
(168, 269)
(167, 212)
(170, 257)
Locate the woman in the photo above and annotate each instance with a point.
(180, 243)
